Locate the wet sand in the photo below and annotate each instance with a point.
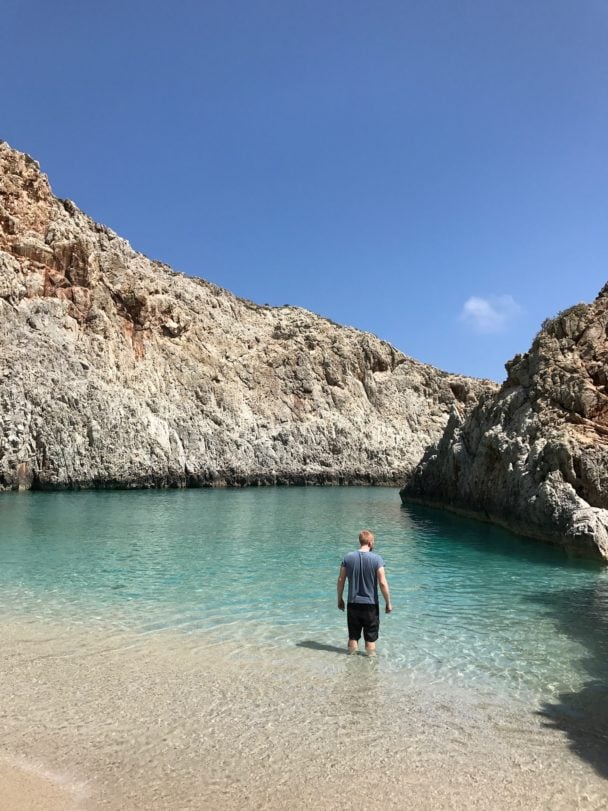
(163, 721)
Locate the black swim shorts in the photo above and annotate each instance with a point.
(363, 616)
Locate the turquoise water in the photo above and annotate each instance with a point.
(474, 605)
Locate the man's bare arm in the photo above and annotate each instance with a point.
(341, 582)
(383, 583)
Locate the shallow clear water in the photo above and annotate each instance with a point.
(474, 606)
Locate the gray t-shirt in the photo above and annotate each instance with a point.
(362, 572)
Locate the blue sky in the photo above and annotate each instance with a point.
(434, 172)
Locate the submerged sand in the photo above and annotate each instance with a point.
(93, 720)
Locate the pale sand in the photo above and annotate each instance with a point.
(166, 721)
(21, 789)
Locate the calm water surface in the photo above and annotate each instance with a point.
(474, 606)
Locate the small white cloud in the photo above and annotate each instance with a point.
(492, 314)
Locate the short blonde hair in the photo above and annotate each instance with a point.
(366, 536)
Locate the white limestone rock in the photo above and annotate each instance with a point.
(534, 455)
(118, 372)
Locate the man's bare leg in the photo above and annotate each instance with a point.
(370, 648)
(353, 645)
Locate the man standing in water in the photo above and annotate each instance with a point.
(365, 572)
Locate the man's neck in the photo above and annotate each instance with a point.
(364, 548)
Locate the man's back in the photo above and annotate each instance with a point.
(365, 572)
(362, 572)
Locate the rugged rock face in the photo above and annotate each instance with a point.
(534, 456)
(117, 371)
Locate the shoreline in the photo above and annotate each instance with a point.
(168, 720)
(218, 482)
(517, 528)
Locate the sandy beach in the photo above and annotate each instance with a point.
(22, 789)
(94, 721)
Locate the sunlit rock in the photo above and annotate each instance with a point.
(118, 372)
(534, 455)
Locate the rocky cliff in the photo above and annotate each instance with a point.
(534, 455)
(115, 371)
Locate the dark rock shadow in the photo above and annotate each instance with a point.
(310, 643)
(582, 614)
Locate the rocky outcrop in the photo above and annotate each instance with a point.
(117, 371)
(534, 456)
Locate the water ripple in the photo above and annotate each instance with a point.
(473, 604)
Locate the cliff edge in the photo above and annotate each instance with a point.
(115, 371)
(534, 456)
